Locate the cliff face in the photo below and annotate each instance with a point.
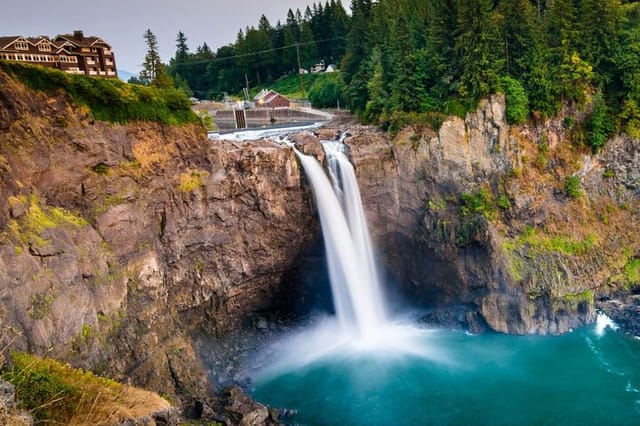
(479, 216)
(121, 242)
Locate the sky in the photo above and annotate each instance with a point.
(121, 23)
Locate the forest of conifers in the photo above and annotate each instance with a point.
(442, 56)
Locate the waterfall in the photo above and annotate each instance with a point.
(354, 279)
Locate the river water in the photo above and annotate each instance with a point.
(586, 377)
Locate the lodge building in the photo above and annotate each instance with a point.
(72, 53)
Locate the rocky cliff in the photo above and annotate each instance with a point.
(479, 220)
(123, 246)
(120, 243)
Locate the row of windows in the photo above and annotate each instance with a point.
(37, 58)
(23, 45)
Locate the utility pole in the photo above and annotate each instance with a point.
(300, 68)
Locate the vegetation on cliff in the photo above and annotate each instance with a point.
(108, 99)
(54, 392)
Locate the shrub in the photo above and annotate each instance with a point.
(481, 202)
(327, 92)
(517, 100)
(572, 186)
(600, 124)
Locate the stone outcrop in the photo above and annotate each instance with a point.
(474, 222)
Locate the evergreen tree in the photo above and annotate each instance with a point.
(357, 39)
(153, 70)
(377, 94)
(599, 29)
(182, 50)
(476, 41)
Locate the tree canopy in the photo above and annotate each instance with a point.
(441, 56)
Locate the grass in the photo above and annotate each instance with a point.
(480, 202)
(532, 243)
(108, 100)
(632, 273)
(572, 187)
(542, 243)
(56, 393)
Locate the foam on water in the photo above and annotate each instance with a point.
(602, 323)
(261, 133)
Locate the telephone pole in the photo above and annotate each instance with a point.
(300, 68)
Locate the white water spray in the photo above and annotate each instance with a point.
(354, 279)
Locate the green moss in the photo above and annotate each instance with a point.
(540, 242)
(532, 243)
(29, 227)
(109, 201)
(108, 99)
(585, 296)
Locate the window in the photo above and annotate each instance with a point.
(44, 47)
(21, 45)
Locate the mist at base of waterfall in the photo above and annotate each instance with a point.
(413, 376)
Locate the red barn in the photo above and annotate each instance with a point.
(271, 99)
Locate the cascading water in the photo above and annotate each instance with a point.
(354, 279)
(364, 367)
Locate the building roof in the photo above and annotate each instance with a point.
(79, 39)
(6, 41)
(265, 96)
(59, 41)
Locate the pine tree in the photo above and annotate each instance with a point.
(182, 50)
(599, 31)
(377, 94)
(153, 70)
(476, 41)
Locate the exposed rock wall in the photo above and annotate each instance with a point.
(121, 242)
(477, 215)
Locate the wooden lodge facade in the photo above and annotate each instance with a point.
(72, 53)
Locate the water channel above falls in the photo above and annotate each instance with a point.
(365, 367)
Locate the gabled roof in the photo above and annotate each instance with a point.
(81, 41)
(37, 40)
(266, 96)
(62, 50)
(7, 41)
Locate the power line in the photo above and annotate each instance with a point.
(259, 52)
